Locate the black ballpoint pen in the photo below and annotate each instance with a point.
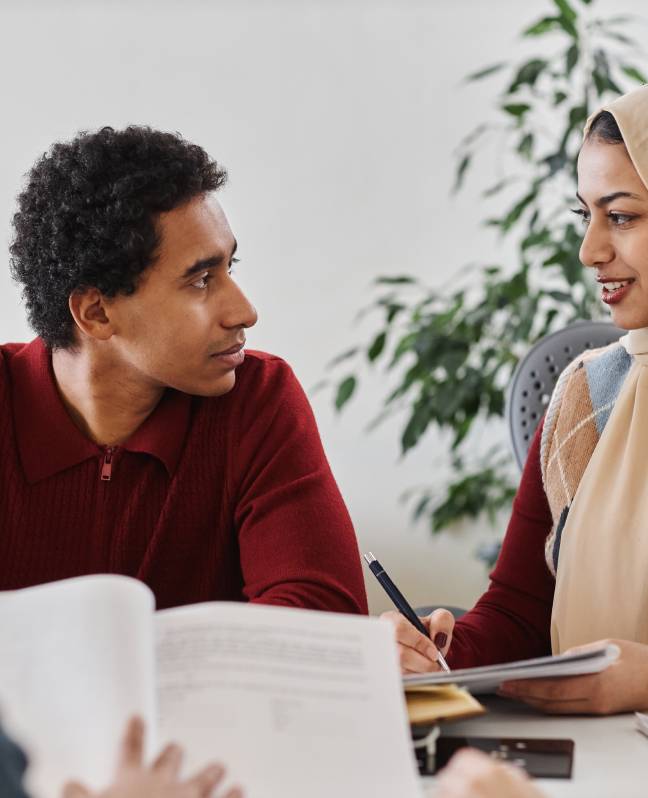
(400, 601)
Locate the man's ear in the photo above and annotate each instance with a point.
(91, 313)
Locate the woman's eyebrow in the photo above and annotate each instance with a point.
(608, 198)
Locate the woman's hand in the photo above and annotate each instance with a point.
(472, 774)
(418, 653)
(621, 687)
(133, 779)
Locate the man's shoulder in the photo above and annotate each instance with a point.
(265, 384)
(7, 351)
(262, 370)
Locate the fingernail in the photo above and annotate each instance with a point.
(440, 639)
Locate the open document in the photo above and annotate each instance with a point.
(295, 703)
(487, 679)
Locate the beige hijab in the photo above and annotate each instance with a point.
(602, 576)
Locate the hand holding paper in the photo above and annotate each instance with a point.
(621, 687)
(486, 679)
(135, 779)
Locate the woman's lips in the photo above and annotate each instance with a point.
(612, 293)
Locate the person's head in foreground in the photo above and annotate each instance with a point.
(124, 255)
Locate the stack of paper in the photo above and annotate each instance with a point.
(488, 678)
(294, 702)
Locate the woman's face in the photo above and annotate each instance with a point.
(614, 209)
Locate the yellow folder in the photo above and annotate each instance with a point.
(431, 703)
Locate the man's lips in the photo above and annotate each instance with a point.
(230, 358)
(233, 350)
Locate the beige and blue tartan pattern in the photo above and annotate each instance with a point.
(575, 419)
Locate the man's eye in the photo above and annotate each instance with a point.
(202, 281)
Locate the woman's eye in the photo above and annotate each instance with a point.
(620, 219)
(584, 215)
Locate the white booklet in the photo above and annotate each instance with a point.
(295, 703)
(487, 678)
(642, 722)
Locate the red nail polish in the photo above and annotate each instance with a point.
(440, 639)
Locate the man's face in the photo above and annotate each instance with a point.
(187, 310)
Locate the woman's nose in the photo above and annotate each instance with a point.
(596, 248)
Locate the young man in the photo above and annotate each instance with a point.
(136, 436)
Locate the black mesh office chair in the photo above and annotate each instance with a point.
(537, 373)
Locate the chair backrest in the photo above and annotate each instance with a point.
(537, 373)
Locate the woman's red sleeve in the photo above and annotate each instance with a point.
(512, 619)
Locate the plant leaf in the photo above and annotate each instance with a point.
(517, 210)
(571, 59)
(566, 10)
(542, 26)
(497, 187)
(342, 357)
(516, 109)
(402, 279)
(634, 73)
(525, 146)
(377, 346)
(486, 72)
(461, 170)
(528, 74)
(345, 391)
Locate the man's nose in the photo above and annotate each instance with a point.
(240, 311)
(596, 248)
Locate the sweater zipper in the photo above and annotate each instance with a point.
(107, 465)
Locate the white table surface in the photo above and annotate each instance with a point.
(610, 755)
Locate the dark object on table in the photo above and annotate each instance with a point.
(544, 758)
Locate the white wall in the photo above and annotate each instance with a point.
(337, 122)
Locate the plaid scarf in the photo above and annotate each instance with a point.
(579, 409)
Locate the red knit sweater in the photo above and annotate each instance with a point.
(512, 619)
(212, 498)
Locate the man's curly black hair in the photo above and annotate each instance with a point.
(86, 217)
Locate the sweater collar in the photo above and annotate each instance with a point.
(48, 439)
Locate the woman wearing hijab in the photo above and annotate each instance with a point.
(573, 569)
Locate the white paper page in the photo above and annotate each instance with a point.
(487, 678)
(295, 703)
(76, 662)
(642, 722)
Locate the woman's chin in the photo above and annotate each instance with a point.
(629, 318)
